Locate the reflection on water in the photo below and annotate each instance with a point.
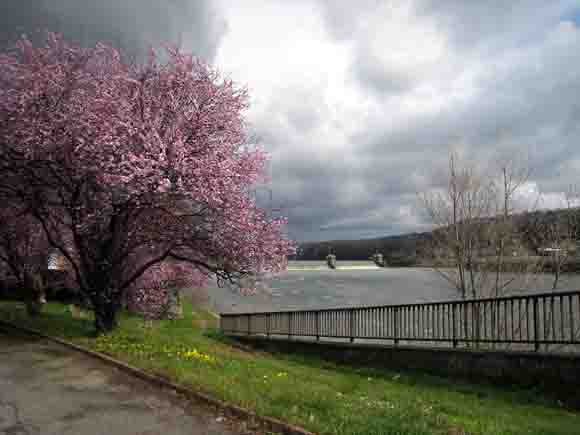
(321, 288)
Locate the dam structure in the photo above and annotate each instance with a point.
(322, 265)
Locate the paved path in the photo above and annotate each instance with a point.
(47, 389)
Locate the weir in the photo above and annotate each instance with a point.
(324, 265)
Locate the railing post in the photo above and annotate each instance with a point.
(290, 325)
(570, 308)
(351, 315)
(317, 325)
(249, 324)
(396, 322)
(453, 309)
(268, 317)
(536, 326)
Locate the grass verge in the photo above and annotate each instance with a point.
(305, 391)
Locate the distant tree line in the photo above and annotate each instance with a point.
(412, 249)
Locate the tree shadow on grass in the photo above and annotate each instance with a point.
(54, 320)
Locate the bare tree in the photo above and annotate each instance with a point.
(554, 234)
(475, 230)
(512, 175)
(459, 214)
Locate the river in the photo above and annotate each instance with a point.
(310, 284)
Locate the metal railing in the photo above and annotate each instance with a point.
(515, 322)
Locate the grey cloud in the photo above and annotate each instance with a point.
(524, 104)
(132, 25)
(300, 109)
(314, 195)
(343, 17)
(472, 29)
(525, 108)
(372, 75)
(347, 21)
(489, 25)
(525, 101)
(377, 219)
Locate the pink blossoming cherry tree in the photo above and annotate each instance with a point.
(131, 169)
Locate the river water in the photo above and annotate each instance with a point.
(310, 284)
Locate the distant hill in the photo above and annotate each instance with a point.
(408, 249)
(397, 249)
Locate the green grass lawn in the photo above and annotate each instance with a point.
(322, 397)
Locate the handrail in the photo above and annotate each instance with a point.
(458, 301)
(538, 319)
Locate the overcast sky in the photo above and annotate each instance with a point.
(360, 102)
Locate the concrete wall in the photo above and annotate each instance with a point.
(558, 375)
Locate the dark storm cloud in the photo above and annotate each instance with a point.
(132, 25)
(338, 197)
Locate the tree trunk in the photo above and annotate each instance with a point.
(106, 309)
(499, 267)
(174, 307)
(34, 294)
(556, 272)
(33, 308)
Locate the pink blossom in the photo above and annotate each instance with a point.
(109, 150)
